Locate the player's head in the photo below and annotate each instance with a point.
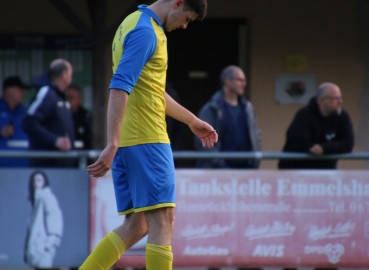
(183, 12)
(61, 73)
(233, 80)
(197, 6)
(329, 98)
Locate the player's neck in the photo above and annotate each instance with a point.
(161, 9)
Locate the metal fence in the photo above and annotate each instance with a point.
(84, 155)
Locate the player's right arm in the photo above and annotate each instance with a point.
(116, 108)
(139, 46)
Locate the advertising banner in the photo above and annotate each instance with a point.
(258, 218)
(43, 218)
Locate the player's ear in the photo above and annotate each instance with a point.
(178, 3)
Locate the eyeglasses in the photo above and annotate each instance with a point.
(334, 98)
(239, 79)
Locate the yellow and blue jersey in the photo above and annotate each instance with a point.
(140, 62)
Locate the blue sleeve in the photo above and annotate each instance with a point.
(139, 46)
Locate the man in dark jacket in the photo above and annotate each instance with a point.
(48, 122)
(321, 127)
(234, 118)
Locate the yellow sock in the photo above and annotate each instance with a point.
(158, 257)
(105, 254)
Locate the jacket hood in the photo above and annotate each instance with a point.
(313, 105)
(43, 80)
(217, 100)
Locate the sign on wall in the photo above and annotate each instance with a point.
(294, 88)
(44, 218)
(259, 218)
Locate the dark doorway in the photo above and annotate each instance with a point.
(196, 57)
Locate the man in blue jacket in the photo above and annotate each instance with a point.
(48, 122)
(12, 111)
(235, 120)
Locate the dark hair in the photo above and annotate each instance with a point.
(57, 69)
(76, 87)
(31, 185)
(198, 6)
(14, 81)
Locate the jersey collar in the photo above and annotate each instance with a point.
(143, 8)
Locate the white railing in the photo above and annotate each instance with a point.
(84, 155)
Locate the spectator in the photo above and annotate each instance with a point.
(175, 128)
(12, 111)
(234, 118)
(49, 122)
(81, 118)
(321, 127)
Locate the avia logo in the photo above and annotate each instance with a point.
(268, 251)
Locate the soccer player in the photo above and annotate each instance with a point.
(138, 148)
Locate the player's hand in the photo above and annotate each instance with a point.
(205, 132)
(63, 144)
(316, 149)
(103, 164)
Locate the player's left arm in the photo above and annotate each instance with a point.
(201, 129)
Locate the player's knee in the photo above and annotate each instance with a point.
(162, 217)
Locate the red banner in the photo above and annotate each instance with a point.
(258, 218)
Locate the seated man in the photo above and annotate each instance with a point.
(12, 111)
(321, 127)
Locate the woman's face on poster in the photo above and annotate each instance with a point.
(39, 181)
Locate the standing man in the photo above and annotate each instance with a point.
(12, 111)
(48, 121)
(143, 169)
(81, 118)
(235, 120)
(321, 127)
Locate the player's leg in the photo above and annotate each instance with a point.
(115, 243)
(112, 246)
(133, 229)
(159, 254)
(151, 177)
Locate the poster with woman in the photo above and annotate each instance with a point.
(44, 218)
